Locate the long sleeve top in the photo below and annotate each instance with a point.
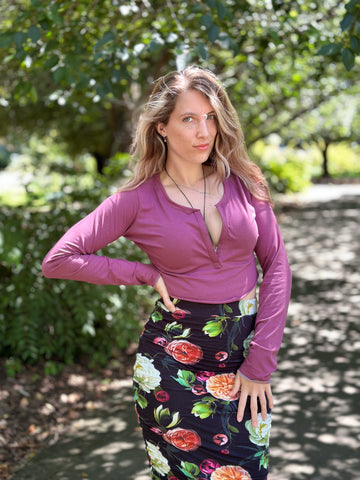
(177, 242)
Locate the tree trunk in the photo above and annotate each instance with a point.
(325, 164)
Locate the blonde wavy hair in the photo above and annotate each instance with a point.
(229, 154)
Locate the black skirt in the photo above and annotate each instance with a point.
(184, 371)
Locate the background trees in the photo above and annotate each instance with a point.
(83, 69)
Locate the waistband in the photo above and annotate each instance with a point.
(245, 307)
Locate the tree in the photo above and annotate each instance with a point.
(336, 121)
(84, 69)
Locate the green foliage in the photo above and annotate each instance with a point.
(349, 45)
(84, 69)
(57, 320)
(286, 169)
(60, 321)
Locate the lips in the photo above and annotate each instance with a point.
(205, 146)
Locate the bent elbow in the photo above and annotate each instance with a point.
(46, 268)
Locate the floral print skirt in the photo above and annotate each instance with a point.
(184, 372)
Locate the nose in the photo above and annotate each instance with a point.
(203, 128)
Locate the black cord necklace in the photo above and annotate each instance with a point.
(178, 187)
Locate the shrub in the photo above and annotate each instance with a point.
(286, 169)
(58, 320)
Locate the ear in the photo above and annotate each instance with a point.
(160, 127)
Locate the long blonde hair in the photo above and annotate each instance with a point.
(229, 153)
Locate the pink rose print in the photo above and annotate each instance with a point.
(173, 478)
(203, 376)
(198, 389)
(222, 365)
(225, 451)
(184, 351)
(156, 430)
(208, 466)
(179, 313)
(162, 396)
(220, 439)
(160, 341)
(221, 356)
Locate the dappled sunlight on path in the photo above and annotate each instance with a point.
(316, 432)
(104, 444)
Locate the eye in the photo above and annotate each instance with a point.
(187, 119)
(211, 116)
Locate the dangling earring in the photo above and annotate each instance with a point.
(164, 138)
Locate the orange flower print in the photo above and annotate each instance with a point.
(230, 472)
(184, 352)
(220, 386)
(183, 439)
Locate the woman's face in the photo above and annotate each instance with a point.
(191, 130)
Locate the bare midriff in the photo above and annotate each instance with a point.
(250, 295)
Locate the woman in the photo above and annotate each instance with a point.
(200, 209)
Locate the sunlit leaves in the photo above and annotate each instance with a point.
(350, 46)
(82, 57)
(34, 33)
(348, 58)
(108, 37)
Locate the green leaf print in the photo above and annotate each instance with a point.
(156, 317)
(164, 418)
(227, 308)
(174, 327)
(140, 399)
(213, 328)
(162, 306)
(246, 343)
(264, 460)
(190, 470)
(175, 420)
(185, 333)
(185, 378)
(233, 429)
(203, 409)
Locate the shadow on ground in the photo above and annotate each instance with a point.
(316, 420)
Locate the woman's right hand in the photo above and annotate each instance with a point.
(160, 287)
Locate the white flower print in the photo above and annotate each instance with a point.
(145, 374)
(260, 435)
(158, 461)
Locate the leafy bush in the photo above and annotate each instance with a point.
(56, 320)
(286, 169)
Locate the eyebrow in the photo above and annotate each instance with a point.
(192, 114)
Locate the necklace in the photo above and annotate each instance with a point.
(198, 191)
(178, 187)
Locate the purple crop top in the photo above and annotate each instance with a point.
(178, 245)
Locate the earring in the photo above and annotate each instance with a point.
(164, 138)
